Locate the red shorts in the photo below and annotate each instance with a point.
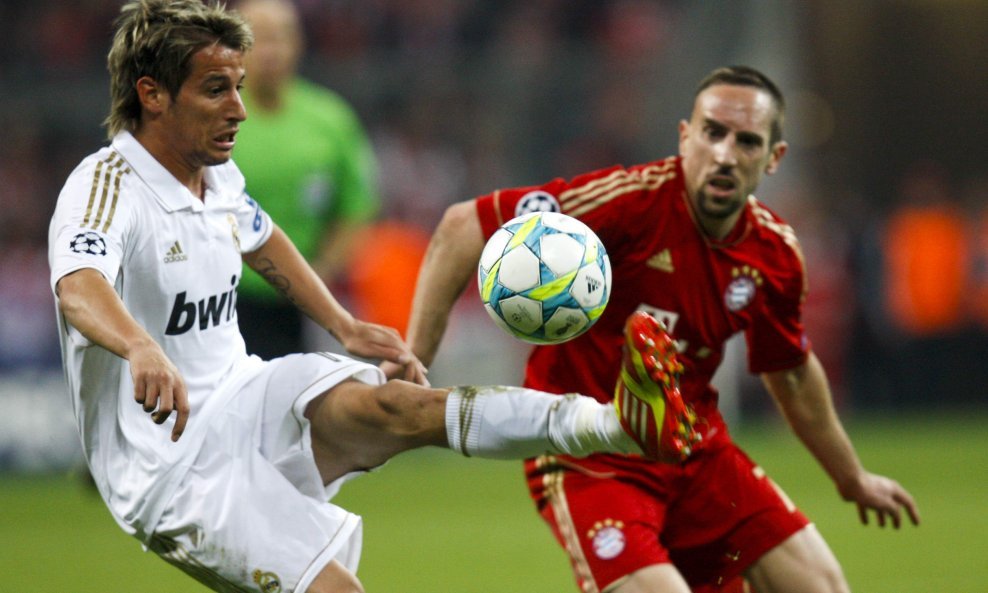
(712, 517)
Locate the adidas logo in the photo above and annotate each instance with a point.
(662, 261)
(175, 254)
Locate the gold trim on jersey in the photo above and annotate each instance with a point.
(497, 207)
(468, 399)
(583, 199)
(104, 179)
(175, 554)
(767, 220)
(553, 482)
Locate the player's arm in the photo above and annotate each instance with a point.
(450, 262)
(281, 264)
(803, 395)
(90, 305)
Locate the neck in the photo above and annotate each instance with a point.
(717, 228)
(188, 174)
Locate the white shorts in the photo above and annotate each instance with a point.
(252, 512)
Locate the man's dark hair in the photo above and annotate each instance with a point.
(748, 76)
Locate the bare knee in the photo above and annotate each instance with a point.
(409, 411)
(802, 563)
(370, 423)
(335, 578)
(657, 577)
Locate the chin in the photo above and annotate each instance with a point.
(218, 159)
(720, 212)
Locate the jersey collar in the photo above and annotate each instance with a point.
(167, 190)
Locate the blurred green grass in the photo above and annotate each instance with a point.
(436, 522)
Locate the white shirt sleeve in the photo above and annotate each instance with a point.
(254, 223)
(89, 224)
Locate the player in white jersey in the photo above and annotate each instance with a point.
(231, 479)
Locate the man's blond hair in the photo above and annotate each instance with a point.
(157, 38)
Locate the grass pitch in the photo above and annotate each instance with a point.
(434, 522)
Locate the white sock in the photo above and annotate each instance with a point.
(517, 423)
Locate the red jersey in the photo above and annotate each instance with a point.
(703, 290)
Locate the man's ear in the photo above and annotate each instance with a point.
(684, 132)
(778, 151)
(153, 97)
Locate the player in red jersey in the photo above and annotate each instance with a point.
(691, 245)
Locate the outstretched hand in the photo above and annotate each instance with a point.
(883, 496)
(159, 387)
(370, 340)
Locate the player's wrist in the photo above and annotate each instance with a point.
(850, 485)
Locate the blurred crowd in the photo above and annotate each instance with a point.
(463, 96)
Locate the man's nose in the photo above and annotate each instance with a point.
(724, 152)
(238, 111)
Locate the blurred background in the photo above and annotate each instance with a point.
(885, 182)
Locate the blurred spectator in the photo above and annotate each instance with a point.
(975, 197)
(307, 159)
(28, 336)
(383, 271)
(926, 255)
(424, 173)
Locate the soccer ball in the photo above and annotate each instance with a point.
(544, 277)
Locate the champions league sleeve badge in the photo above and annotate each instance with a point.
(88, 243)
(537, 201)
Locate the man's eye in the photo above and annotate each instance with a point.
(749, 142)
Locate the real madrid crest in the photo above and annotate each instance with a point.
(741, 290)
(267, 581)
(234, 230)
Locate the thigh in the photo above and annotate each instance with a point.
(727, 515)
(609, 527)
(802, 563)
(238, 524)
(356, 427)
(284, 431)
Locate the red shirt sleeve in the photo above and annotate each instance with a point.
(497, 208)
(776, 338)
(558, 195)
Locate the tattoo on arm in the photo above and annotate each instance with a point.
(267, 269)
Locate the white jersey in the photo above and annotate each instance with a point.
(175, 261)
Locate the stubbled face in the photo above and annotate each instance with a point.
(725, 149)
(201, 121)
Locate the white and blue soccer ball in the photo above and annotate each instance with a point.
(544, 277)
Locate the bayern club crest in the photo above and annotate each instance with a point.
(741, 291)
(607, 538)
(537, 201)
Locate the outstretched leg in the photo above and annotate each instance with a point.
(356, 426)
